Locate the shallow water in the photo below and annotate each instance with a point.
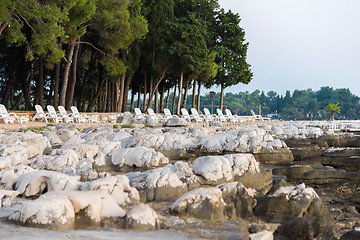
(9, 231)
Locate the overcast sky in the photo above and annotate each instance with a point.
(300, 44)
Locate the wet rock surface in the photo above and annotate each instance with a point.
(213, 182)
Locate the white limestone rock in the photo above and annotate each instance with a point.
(53, 138)
(158, 184)
(213, 168)
(242, 163)
(105, 146)
(206, 203)
(117, 186)
(239, 200)
(263, 235)
(17, 158)
(296, 193)
(97, 205)
(138, 157)
(142, 217)
(7, 150)
(66, 132)
(57, 160)
(50, 211)
(35, 182)
(275, 144)
(6, 197)
(9, 177)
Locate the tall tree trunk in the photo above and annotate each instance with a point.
(66, 74)
(71, 90)
(151, 96)
(167, 98)
(145, 92)
(8, 91)
(26, 83)
(80, 104)
(50, 95)
(17, 103)
(104, 96)
(186, 94)
(121, 94)
(132, 99)
(173, 101)
(56, 84)
(126, 91)
(162, 94)
(139, 97)
(108, 99)
(156, 85)
(95, 98)
(3, 26)
(39, 99)
(113, 97)
(198, 96)
(180, 93)
(193, 95)
(117, 94)
(156, 100)
(222, 97)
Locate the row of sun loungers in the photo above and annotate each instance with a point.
(51, 115)
(62, 116)
(195, 116)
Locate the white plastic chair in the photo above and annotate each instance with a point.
(208, 116)
(220, 115)
(234, 118)
(195, 115)
(168, 115)
(185, 114)
(154, 116)
(259, 117)
(10, 117)
(40, 114)
(53, 115)
(77, 116)
(82, 117)
(138, 114)
(63, 114)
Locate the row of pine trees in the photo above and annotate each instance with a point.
(99, 54)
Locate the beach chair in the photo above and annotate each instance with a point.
(53, 115)
(152, 114)
(11, 117)
(40, 114)
(168, 115)
(233, 118)
(220, 115)
(68, 118)
(208, 116)
(139, 115)
(259, 117)
(195, 115)
(77, 116)
(185, 114)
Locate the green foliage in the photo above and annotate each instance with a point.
(332, 108)
(116, 126)
(300, 105)
(232, 50)
(33, 129)
(127, 126)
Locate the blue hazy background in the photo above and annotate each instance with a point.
(300, 44)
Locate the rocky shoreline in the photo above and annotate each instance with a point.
(272, 181)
